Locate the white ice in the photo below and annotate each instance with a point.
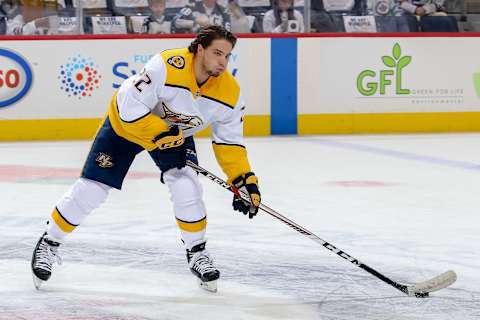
(406, 205)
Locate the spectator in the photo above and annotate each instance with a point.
(283, 18)
(156, 22)
(39, 26)
(11, 19)
(321, 20)
(381, 7)
(200, 13)
(419, 8)
(240, 22)
(391, 18)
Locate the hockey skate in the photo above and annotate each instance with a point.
(44, 255)
(201, 265)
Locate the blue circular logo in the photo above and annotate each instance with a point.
(79, 77)
(15, 77)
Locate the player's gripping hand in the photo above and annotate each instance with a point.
(169, 139)
(171, 150)
(247, 183)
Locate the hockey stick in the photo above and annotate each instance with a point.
(419, 290)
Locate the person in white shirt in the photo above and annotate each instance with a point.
(11, 19)
(283, 18)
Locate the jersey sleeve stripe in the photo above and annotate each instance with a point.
(228, 144)
(134, 120)
(129, 121)
(177, 86)
(221, 102)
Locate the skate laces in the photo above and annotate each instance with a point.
(46, 255)
(202, 262)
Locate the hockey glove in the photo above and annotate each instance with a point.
(248, 183)
(171, 151)
(169, 139)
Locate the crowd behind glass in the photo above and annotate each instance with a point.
(57, 17)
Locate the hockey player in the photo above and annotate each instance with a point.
(178, 93)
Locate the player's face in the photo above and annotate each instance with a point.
(215, 57)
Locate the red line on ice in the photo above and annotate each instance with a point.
(17, 173)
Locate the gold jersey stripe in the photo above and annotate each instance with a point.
(62, 222)
(193, 226)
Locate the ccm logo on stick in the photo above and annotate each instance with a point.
(15, 77)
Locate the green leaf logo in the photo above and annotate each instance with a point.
(397, 61)
(397, 51)
(389, 62)
(404, 61)
(476, 83)
(378, 83)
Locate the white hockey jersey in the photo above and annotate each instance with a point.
(166, 93)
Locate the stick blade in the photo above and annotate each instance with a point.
(422, 289)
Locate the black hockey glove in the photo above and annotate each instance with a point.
(247, 183)
(172, 138)
(171, 151)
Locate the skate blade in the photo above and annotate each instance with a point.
(210, 286)
(37, 282)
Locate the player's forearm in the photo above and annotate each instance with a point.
(232, 159)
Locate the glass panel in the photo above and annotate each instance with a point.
(52, 17)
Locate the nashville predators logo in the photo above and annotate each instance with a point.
(104, 160)
(176, 61)
(181, 120)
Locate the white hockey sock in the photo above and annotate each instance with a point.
(84, 196)
(186, 194)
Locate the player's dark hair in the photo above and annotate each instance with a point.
(205, 37)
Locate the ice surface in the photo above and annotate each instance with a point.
(406, 205)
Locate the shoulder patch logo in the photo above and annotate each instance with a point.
(177, 62)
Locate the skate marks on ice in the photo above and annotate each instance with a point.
(357, 298)
(85, 291)
(118, 277)
(114, 270)
(108, 292)
(338, 292)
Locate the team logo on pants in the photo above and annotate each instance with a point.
(104, 160)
